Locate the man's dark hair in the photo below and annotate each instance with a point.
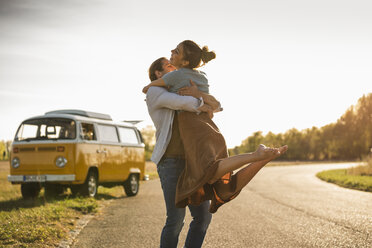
(157, 65)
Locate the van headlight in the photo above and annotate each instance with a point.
(16, 163)
(61, 161)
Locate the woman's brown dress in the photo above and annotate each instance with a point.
(204, 148)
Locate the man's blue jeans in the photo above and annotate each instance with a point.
(169, 169)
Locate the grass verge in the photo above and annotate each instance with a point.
(42, 222)
(359, 177)
(45, 222)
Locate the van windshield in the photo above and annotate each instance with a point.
(46, 129)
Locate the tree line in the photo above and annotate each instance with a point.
(350, 138)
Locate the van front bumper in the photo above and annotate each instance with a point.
(40, 178)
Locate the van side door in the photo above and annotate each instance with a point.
(110, 153)
(132, 151)
(87, 152)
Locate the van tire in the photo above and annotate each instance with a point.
(30, 190)
(131, 185)
(90, 186)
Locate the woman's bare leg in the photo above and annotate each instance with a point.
(235, 162)
(245, 175)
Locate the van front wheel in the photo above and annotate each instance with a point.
(131, 185)
(30, 190)
(89, 188)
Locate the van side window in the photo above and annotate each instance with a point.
(128, 135)
(108, 133)
(87, 131)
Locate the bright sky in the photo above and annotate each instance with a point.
(280, 64)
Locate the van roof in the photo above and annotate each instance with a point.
(82, 115)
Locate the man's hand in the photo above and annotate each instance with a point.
(195, 92)
(208, 109)
(190, 91)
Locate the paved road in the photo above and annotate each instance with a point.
(281, 207)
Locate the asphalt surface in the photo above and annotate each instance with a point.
(281, 207)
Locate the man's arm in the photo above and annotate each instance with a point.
(160, 98)
(195, 92)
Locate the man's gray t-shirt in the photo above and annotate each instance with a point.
(180, 78)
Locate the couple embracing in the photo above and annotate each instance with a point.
(194, 168)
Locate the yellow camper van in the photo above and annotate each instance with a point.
(76, 149)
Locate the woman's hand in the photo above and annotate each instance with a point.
(145, 89)
(190, 91)
(158, 82)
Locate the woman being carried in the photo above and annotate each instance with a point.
(208, 172)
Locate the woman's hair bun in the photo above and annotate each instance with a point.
(207, 55)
